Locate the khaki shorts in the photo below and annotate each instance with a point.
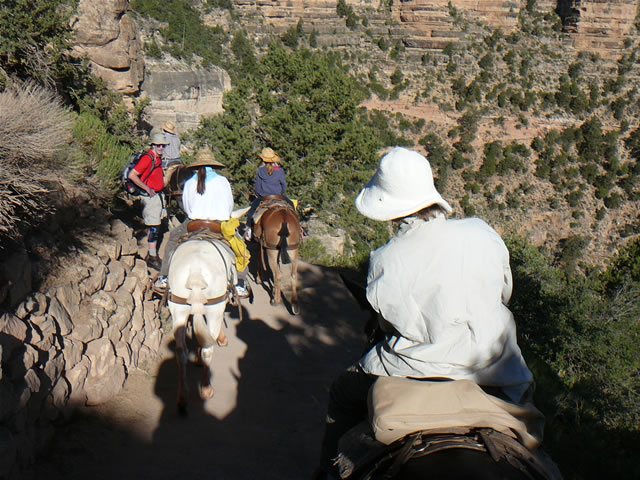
(153, 210)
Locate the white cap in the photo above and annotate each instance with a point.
(402, 185)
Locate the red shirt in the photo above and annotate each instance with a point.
(156, 179)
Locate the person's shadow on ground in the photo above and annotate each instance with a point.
(275, 429)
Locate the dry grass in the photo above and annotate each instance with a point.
(33, 126)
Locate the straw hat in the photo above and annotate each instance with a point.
(169, 126)
(205, 158)
(402, 185)
(159, 139)
(269, 156)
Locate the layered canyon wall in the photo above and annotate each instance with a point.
(598, 26)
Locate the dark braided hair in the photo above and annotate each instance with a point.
(202, 175)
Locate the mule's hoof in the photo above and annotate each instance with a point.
(295, 309)
(206, 392)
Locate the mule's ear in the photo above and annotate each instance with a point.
(239, 212)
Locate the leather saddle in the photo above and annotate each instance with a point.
(212, 225)
(269, 202)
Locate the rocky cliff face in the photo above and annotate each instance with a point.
(109, 37)
(183, 96)
(598, 26)
(601, 25)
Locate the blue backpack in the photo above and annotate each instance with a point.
(127, 184)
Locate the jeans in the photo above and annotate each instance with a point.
(172, 244)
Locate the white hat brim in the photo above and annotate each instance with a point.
(374, 203)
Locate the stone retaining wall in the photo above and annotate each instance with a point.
(74, 344)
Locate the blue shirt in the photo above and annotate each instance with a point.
(266, 184)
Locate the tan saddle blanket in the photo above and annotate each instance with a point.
(400, 406)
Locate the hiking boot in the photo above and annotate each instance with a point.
(153, 261)
(160, 285)
(241, 290)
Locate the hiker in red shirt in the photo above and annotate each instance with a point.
(151, 181)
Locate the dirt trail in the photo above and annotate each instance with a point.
(265, 420)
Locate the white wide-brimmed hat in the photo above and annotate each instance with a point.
(402, 185)
(159, 139)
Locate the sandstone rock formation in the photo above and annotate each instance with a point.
(182, 95)
(602, 25)
(423, 25)
(109, 37)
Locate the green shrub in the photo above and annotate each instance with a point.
(582, 345)
(396, 77)
(614, 200)
(469, 210)
(343, 9)
(486, 62)
(352, 22)
(309, 113)
(313, 39)
(35, 37)
(185, 33)
(290, 37)
(152, 49)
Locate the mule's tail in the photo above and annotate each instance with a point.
(196, 299)
(196, 284)
(284, 243)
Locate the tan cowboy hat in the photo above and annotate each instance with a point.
(169, 126)
(159, 139)
(402, 185)
(269, 156)
(205, 158)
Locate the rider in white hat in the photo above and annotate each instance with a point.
(172, 150)
(441, 287)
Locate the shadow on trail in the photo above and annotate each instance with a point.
(275, 428)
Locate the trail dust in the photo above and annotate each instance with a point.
(265, 420)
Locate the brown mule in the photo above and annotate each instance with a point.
(279, 234)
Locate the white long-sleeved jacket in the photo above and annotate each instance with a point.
(444, 285)
(216, 203)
